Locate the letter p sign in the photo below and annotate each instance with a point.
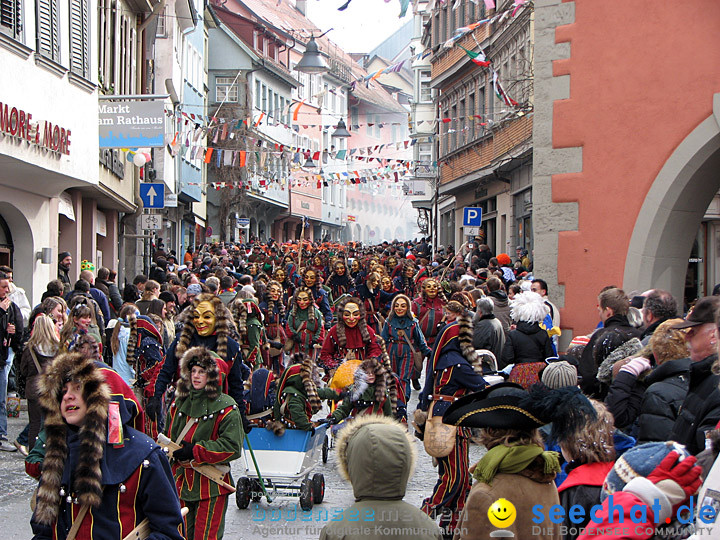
(472, 217)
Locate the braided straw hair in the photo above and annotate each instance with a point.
(311, 307)
(392, 382)
(224, 326)
(441, 293)
(362, 323)
(306, 374)
(271, 303)
(132, 340)
(87, 482)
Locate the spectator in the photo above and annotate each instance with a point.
(64, 263)
(96, 294)
(17, 295)
(528, 343)
(54, 288)
(500, 299)
(213, 285)
(11, 330)
(139, 282)
(81, 294)
(488, 332)
(540, 286)
(700, 410)
(131, 293)
(105, 282)
(151, 291)
(119, 343)
(659, 306)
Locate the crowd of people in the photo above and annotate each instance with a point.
(223, 339)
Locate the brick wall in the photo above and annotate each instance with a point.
(449, 57)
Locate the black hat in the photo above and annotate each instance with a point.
(63, 254)
(703, 312)
(494, 407)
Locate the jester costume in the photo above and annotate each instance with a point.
(298, 397)
(334, 350)
(101, 466)
(453, 371)
(145, 354)
(371, 302)
(429, 312)
(214, 438)
(339, 285)
(367, 398)
(248, 318)
(305, 327)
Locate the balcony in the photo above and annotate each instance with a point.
(340, 70)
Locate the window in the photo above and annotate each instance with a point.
(354, 116)
(453, 128)
(264, 98)
(425, 90)
(48, 37)
(370, 120)
(258, 94)
(462, 122)
(161, 31)
(10, 18)
(79, 38)
(277, 111)
(225, 90)
(444, 25)
(268, 110)
(470, 123)
(436, 28)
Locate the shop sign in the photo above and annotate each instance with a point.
(113, 161)
(101, 228)
(19, 124)
(131, 124)
(695, 260)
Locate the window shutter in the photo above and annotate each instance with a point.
(47, 29)
(79, 42)
(10, 21)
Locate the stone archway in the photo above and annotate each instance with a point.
(23, 246)
(673, 209)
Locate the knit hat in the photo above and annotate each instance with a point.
(559, 375)
(87, 265)
(638, 461)
(194, 288)
(63, 254)
(579, 341)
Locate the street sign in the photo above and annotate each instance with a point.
(243, 223)
(171, 200)
(472, 217)
(153, 195)
(151, 222)
(471, 231)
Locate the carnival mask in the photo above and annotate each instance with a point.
(409, 271)
(252, 269)
(386, 283)
(303, 300)
(401, 307)
(431, 288)
(203, 318)
(274, 292)
(309, 278)
(355, 266)
(351, 314)
(280, 276)
(340, 270)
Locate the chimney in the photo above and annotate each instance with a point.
(301, 6)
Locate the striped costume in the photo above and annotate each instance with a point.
(450, 375)
(396, 333)
(304, 330)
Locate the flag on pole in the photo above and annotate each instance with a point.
(477, 57)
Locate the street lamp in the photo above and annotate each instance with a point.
(312, 60)
(309, 163)
(341, 130)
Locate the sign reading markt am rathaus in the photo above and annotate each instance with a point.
(131, 124)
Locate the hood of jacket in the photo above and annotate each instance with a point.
(528, 328)
(377, 456)
(500, 298)
(671, 368)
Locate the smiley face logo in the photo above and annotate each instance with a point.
(502, 513)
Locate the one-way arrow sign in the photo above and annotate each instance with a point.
(153, 195)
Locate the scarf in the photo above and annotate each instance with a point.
(512, 460)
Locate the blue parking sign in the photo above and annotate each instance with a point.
(472, 217)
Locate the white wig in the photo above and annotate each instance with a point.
(528, 307)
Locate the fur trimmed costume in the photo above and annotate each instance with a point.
(214, 439)
(453, 370)
(146, 355)
(253, 340)
(299, 398)
(117, 471)
(368, 398)
(304, 326)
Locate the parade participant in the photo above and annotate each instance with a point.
(310, 280)
(210, 325)
(207, 425)
(100, 478)
(355, 271)
(453, 370)
(299, 397)
(145, 355)
(372, 392)
(528, 343)
(287, 286)
(377, 456)
(81, 322)
(404, 338)
(428, 308)
(350, 338)
(404, 282)
(304, 324)
(119, 337)
(319, 266)
(339, 281)
(248, 319)
(516, 467)
(368, 292)
(386, 294)
(275, 317)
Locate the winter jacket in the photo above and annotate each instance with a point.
(10, 341)
(615, 332)
(111, 291)
(376, 457)
(527, 343)
(582, 487)
(488, 334)
(64, 276)
(700, 410)
(502, 309)
(667, 386)
(623, 401)
(525, 489)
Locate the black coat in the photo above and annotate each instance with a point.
(667, 386)
(488, 334)
(617, 330)
(700, 411)
(623, 400)
(527, 343)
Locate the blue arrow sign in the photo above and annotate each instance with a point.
(153, 195)
(472, 217)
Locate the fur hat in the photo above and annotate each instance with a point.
(667, 343)
(303, 366)
(224, 326)
(87, 477)
(207, 360)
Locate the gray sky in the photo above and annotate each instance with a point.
(362, 26)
